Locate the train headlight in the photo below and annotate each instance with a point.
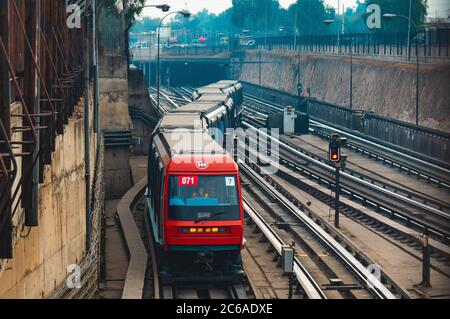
(196, 230)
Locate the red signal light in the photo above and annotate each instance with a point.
(334, 151)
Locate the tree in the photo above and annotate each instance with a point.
(418, 13)
(134, 8)
(145, 25)
(256, 15)
(310, 15)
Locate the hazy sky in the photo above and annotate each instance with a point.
(439, 8)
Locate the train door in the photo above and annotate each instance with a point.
(163, 209)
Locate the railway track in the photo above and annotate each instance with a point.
(204, 291)
(166, 100)
(309, 286)
(338, 263)
(383, 200)
(437, 209)
(415, 166)
(183, 93)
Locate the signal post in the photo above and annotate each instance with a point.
(338, 160)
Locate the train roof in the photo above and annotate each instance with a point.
(205, 164)
(213, 97)
(181, 120)
(192, 152)
(229, 82)
(225, 87)
(189, 142)
(209, 90)
(203, 106)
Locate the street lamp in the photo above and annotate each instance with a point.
(294, 30)
(299, 84)
(328, 22)
(163, 7)
(411, 22)
(185, 14)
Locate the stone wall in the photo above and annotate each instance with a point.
(113, 104)
(386, 88)
(139, 98)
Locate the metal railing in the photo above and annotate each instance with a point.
(431, 47)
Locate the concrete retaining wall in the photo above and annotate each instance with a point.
(386, 88)
(139, 98)
(113, 103)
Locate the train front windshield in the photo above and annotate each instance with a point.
(203, 197)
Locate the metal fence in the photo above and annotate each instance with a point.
(431, 45)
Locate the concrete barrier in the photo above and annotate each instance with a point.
(135, 278)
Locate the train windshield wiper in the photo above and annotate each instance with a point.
(197, 220)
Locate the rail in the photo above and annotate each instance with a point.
(377, 189)
(309, 285)
(373, 284)
(414, 165)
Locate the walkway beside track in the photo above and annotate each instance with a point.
(125, 256)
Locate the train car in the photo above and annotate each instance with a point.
(194, 199)
(194, 196)
(232, 89)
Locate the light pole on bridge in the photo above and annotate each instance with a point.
(328, 22)
(411, 22)
(185, 14)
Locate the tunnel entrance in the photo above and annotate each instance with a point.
(185, 73)
(192, 73)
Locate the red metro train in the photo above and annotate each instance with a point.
(194, 196)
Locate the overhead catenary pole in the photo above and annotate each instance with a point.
(265, 23)
(338, 33)
(409, 31)
(296, 26)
